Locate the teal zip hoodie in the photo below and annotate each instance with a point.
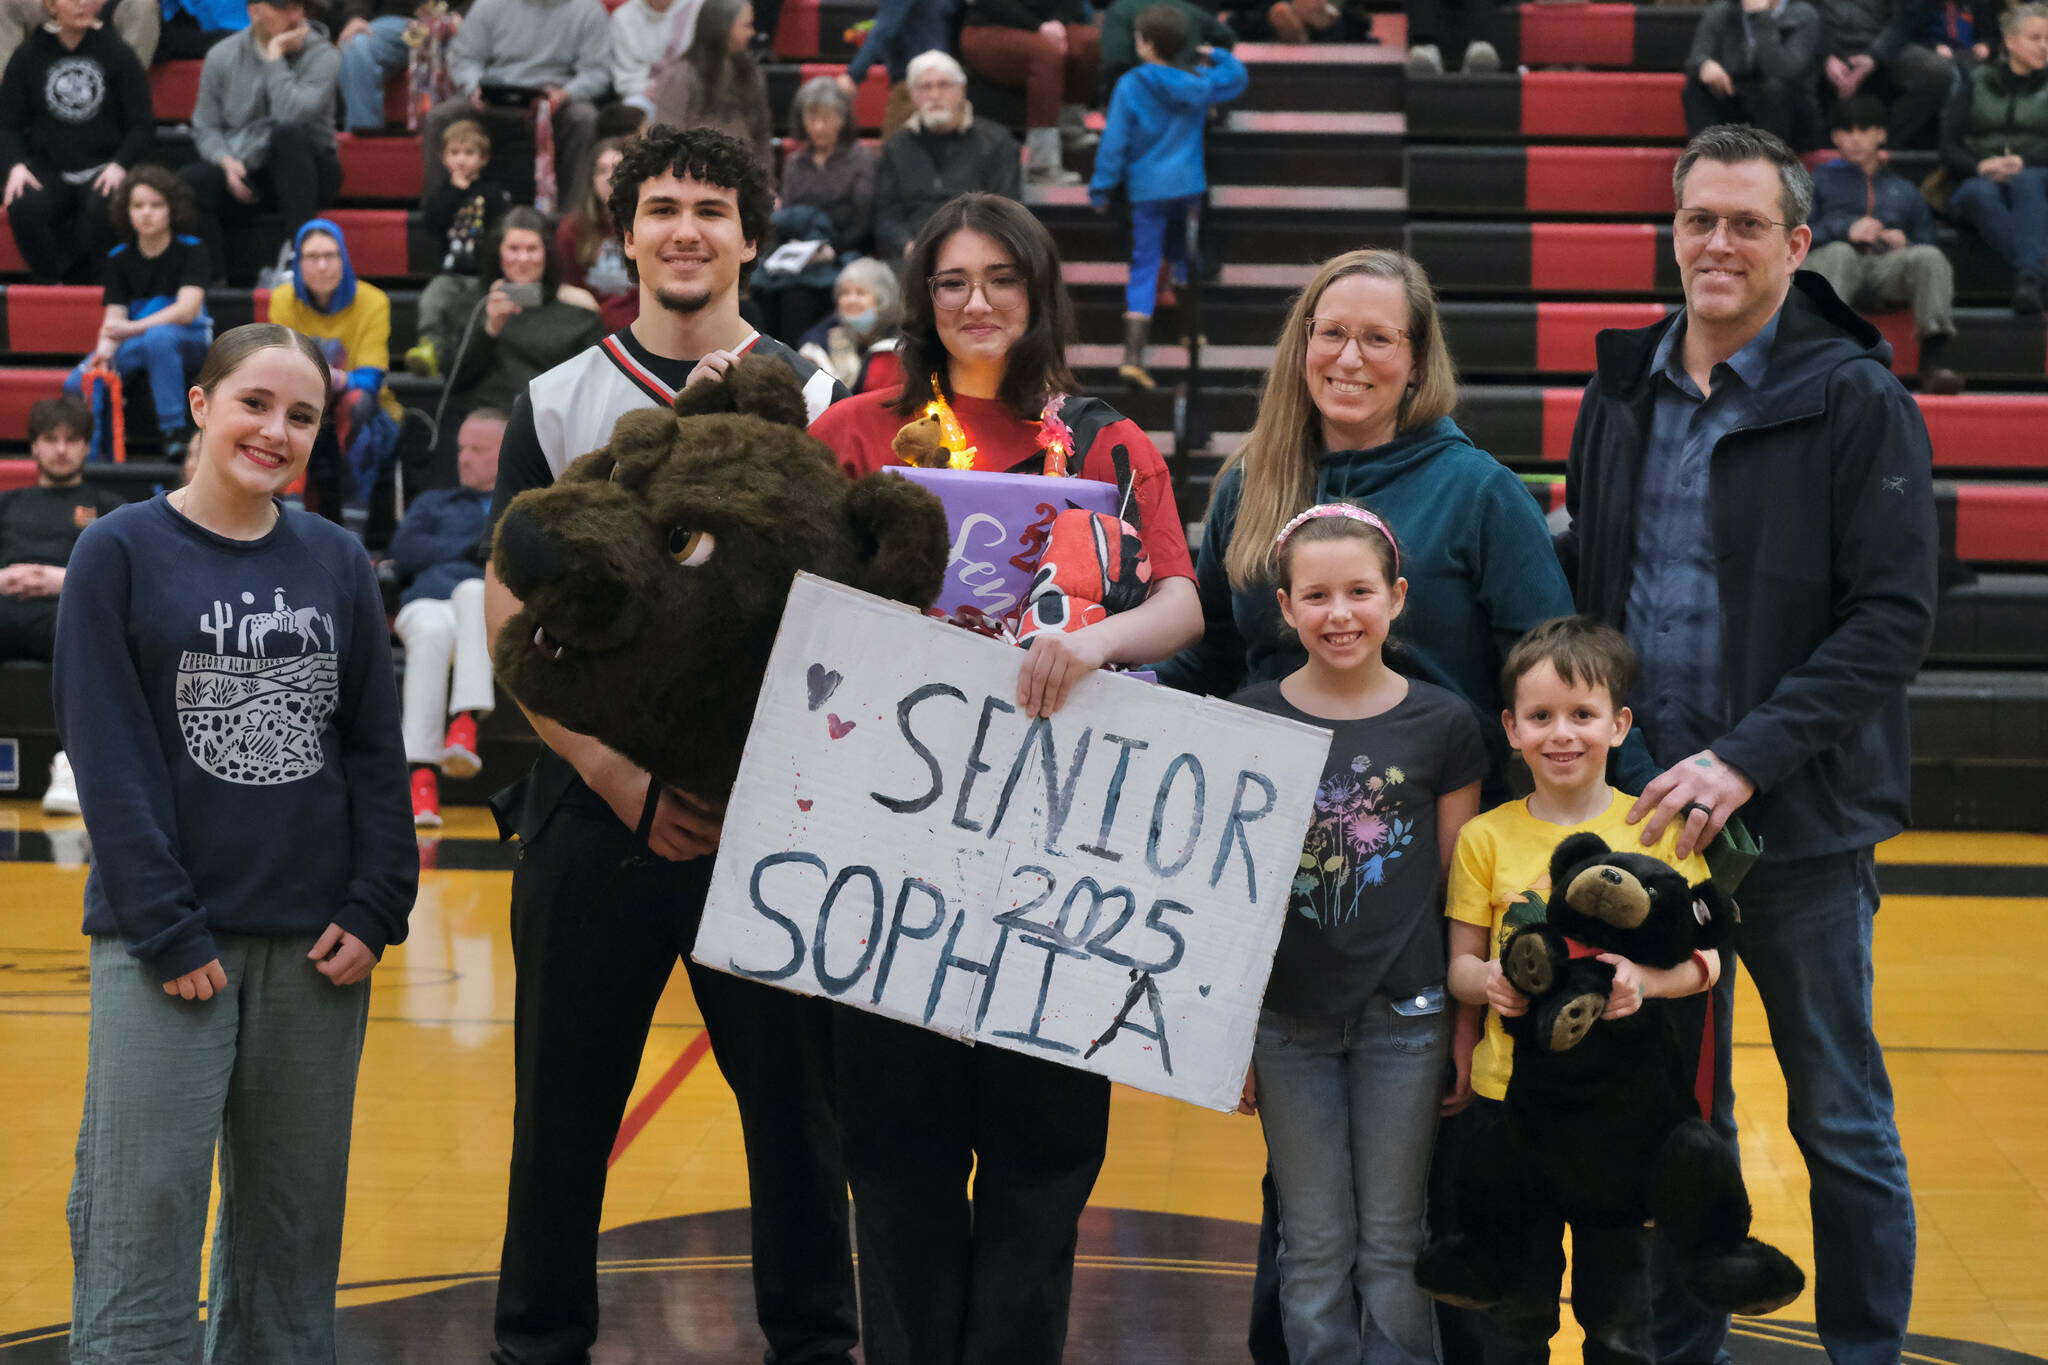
(1475, 551)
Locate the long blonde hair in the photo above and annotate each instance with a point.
(1279, 453)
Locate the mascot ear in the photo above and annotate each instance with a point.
(1716, 912)
(900, 531)
(640, 440)
(756, 386)
(1579, 848)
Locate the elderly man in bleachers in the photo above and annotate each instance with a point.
(942, 151)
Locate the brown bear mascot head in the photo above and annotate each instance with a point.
(653, 572)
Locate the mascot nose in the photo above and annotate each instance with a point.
(531, 554)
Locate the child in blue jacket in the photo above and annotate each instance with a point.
(1153, 147)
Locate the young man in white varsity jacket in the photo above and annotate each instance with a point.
(597, 924)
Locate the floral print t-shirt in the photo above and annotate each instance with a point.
(1366, 914)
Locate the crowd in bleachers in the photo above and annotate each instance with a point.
(1967, 81)
(552, 85)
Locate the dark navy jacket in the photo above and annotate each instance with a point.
(1840, 198)
(433, 548)
(1825, 544)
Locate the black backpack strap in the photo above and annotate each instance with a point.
(1088, 418)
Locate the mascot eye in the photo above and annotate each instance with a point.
(690, 548)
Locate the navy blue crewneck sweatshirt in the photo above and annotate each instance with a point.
(232, 717)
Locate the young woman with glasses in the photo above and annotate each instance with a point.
(1357, 409)
(987, 322)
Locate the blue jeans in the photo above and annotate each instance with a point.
(1159, 231)
(171, 354)
(1805, 936)
(266, 1072)
(367, 63)
(1350, 1110)
(2012, 217)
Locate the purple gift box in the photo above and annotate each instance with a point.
(999, 524)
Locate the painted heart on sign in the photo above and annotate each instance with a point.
(822, 682)
(840, 728)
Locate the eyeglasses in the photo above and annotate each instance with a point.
(1375, 342)
(1744, 227)
(1003, 291)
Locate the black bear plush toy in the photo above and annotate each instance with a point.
(1600, 1126)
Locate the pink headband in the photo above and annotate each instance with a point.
(1340, 509)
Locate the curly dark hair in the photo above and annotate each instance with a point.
(1038, 362)
(176, 193)
(701, 154)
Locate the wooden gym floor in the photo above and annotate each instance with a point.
(1166, 1251)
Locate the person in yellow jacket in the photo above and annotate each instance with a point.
(351, 319)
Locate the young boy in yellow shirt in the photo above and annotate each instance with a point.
(1563, 683)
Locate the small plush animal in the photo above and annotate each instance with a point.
(1600, 1127)
(652, 574)
(1094, 566)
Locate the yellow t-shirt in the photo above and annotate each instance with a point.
(1500, 880)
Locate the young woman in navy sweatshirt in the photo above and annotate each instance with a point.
(225, 691)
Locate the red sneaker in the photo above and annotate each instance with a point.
(458, 752)
(426, 799)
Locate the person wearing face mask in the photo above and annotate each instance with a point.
(942, 151)
(1994, 139)
(324, 300)
(870, 304)
(828, 197)
(74, 115)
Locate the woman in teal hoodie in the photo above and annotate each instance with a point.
(1357, 409)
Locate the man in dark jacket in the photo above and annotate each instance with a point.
(1756, 61)
(941, 152)
(439, 551)
(1751, 500)
(1873, 238)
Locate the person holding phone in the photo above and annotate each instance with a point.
(503, 333)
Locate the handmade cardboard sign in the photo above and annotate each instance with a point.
(1103, 887)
